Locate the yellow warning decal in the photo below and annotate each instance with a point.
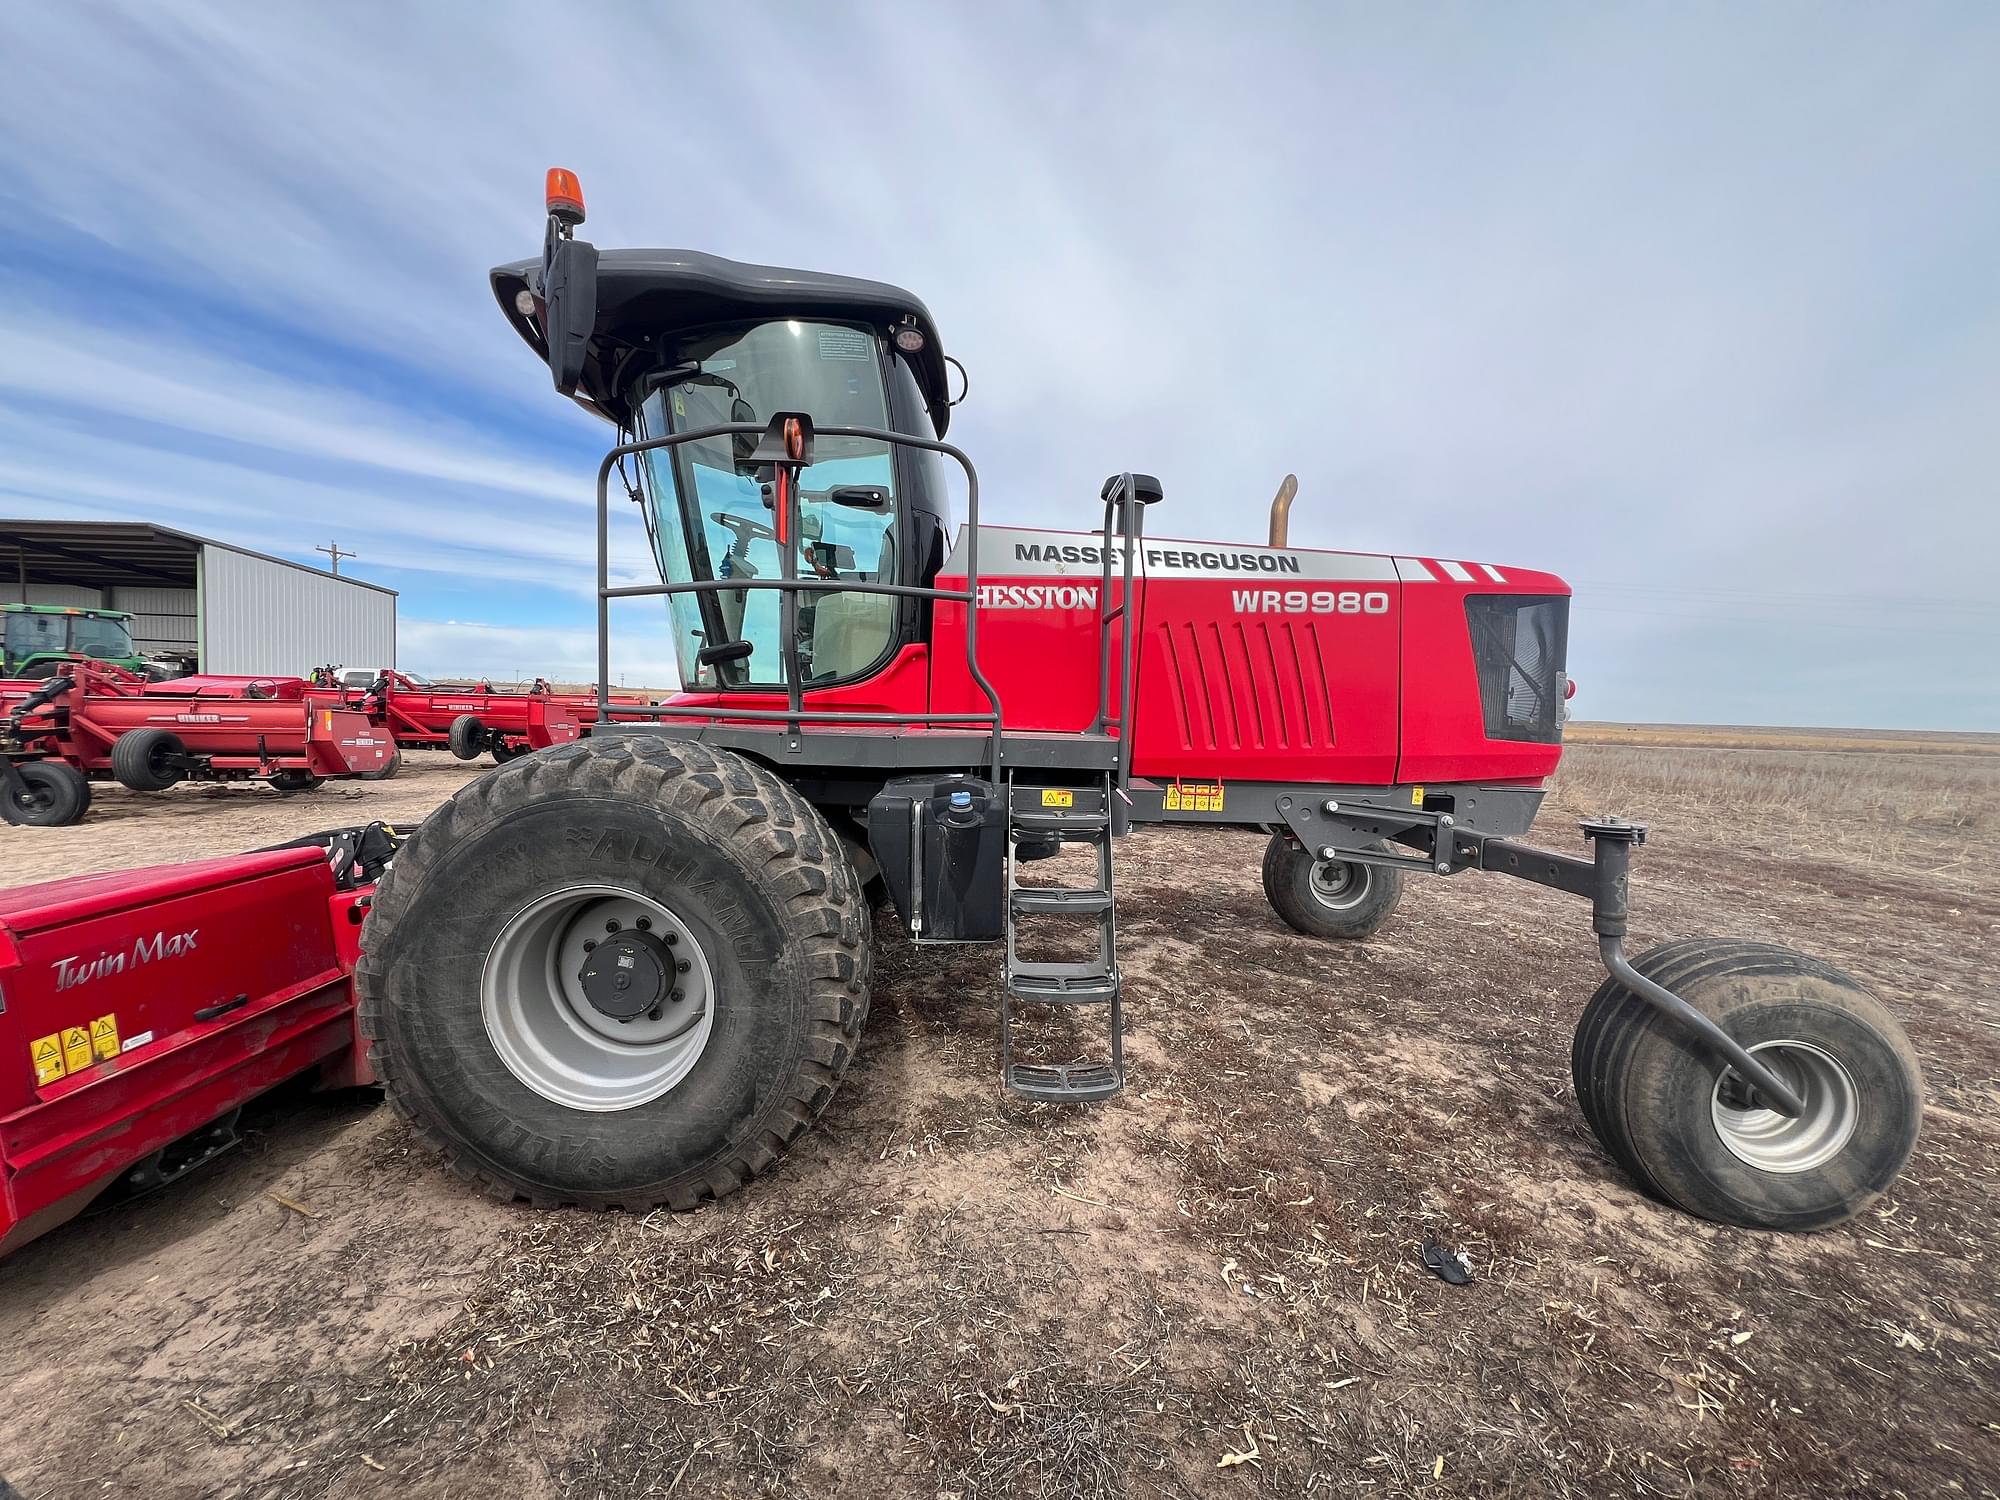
(46, 1054)
(76, 1048)
(1416, 796)
(104, 1037)
(1195, 796)
(1053, 797)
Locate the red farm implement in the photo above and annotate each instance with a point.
(138, 1021)
(90, 723)
(465, 721)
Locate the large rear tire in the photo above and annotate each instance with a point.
(1680, 1121)
(723, 880)
(1328, 898)
(466, 737)
(147, 760)
(51, 794)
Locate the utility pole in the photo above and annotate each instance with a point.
(333, 550)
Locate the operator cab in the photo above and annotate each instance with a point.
(677, 341)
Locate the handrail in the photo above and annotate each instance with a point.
(790, 587)
(1122, 498)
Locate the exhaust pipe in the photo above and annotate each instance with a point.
(1281, 510)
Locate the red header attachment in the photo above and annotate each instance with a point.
(564, 197)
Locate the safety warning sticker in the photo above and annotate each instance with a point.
(46, 1054)
(1195, 796)
(1416, 796)
(1054, 797)
(104, 1037)
(76, 1048)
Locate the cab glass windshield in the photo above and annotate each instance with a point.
(713, 516)
(32, 634)
(102, 639)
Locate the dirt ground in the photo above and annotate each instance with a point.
(1208, 1286)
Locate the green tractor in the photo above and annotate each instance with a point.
(37, 638)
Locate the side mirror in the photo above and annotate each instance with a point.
(722, 652)
(744, 443)
(569, 299)
(859, 496)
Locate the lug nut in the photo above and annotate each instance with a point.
(644, 924)
(674, 996)
(683, 966)
(588, 944)
(673, 938)
(611, 924)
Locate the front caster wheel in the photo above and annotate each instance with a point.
(46, 794)
(466, 737)
(616, 974)
(1689, 1131)
(1329, 898)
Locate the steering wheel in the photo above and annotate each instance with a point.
(747, 529)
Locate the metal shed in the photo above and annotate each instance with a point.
(238, 611)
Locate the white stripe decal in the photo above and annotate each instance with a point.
(1493, 573)
(1457, 572)
(1413, 570)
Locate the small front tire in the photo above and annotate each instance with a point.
(1328, 898)
(386, 772)
(147, 760)
(1681, 1122)
(51, 794)
(466, 737)
(297, 781)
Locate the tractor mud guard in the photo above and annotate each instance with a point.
(1331, 828)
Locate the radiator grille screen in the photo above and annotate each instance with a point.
(1519, 642)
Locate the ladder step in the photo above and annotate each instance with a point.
(1061, 989)
(1075, 1083)
(1049, 901)
(1059, 822)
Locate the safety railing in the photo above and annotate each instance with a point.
(1121, 503)
(790, 586)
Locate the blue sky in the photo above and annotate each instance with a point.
(1693, 305)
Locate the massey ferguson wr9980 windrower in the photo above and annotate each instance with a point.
(630, 971)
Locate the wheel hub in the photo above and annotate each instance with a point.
(1337, 883)
(1771, 1142)
(597, 998)
(627, 975)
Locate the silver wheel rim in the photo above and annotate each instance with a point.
(1338, 885)
(1771, 1142)
(554, 1040)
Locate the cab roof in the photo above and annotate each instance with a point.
(642, 294)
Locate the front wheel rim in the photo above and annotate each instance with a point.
(547, 1033)
(1772, 1142)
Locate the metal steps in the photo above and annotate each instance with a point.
(1040, 816)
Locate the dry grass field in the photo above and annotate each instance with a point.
(1208, 1286)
